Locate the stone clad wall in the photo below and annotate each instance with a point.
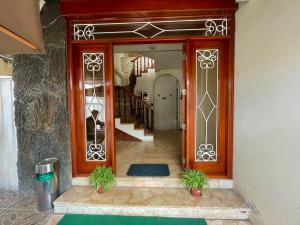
(41, 112)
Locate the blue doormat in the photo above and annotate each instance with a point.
(145, 170)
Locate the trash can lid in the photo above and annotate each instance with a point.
(45, 166)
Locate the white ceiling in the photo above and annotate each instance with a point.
(166, 56)
(22, 17)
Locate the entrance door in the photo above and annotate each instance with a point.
(208, 106)
(92, 93)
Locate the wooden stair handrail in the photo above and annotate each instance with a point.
(141, 65)
(139, 112)
(131, 94)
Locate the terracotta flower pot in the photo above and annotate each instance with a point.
(196, 192)
(100, 190)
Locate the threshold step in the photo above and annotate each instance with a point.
(217, 204)
(166, 182)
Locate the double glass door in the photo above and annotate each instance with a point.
(206, 107)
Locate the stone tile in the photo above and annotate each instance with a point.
(17, 209)
(54, 219)
(216, 204)
(12, 200)
(22, 216)
(176, 212)
(218, 213)
(227, 222)
(137, 211)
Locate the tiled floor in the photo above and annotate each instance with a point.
(166, 148)
(177, 197)
(55, 218)
(227, 222)
(17, 210)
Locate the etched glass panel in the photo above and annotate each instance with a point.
(93, 71)
(206, 104)
(151, 29)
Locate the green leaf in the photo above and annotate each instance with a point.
(193, 179)
(102, 177)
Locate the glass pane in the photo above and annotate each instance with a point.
(206, 104)
(93, 64)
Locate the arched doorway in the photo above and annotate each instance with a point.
(166, 102)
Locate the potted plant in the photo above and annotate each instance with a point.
(195, 180)
(102, 178)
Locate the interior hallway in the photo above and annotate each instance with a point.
(166, 148)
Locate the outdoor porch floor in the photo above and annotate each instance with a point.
(217, 204)
(16, 209)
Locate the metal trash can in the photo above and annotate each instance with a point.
(46, 175)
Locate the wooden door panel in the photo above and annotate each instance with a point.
(209, 107)
(93, 111)
(183, 109)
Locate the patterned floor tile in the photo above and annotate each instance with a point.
(20, 210)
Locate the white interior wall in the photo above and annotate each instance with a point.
(267, 109)
(8, 140)
(165, 99)
(147, 82)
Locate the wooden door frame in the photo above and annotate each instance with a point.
(177, 39)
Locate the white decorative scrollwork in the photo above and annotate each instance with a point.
(214, 28)
(206, 152)
(207, 60)
(85, 33)
(95, 152)
(209, 27)
(93, 62)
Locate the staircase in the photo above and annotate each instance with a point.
(134, 116)
(142, 65)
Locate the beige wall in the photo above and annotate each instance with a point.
(267, 108)
(5, 67)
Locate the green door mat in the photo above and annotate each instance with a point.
(78, 219)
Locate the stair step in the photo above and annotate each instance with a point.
(216, 204)
(130, 129)
(155, 182)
